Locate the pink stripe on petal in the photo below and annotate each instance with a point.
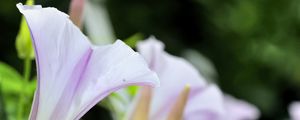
(71, 89)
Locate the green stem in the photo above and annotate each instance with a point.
(27, 72)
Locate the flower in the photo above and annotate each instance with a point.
(294, 110)
(74, 75)
(204, 102)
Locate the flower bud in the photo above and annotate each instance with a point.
(23, 39)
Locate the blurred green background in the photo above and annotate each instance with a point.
(253, 44)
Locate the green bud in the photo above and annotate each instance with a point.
(23, 41)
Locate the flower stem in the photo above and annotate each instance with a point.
(26, 77)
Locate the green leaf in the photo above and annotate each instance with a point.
(23, 41)
(10, 79)
(2, 106)
(12, 85)
(134, 39)
(7, 71)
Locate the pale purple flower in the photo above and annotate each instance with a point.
(204, 101)
(294, 110)
(74, 75)
(239, 110)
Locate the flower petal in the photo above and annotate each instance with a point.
(206, 104)
(73, 75)
(174, 73)
(239, 110)
(294, 110)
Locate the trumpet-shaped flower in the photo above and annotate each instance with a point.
(74, 75)
(203, 102)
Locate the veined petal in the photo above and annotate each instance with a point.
(174, 73)
(73, 75)
(239, 110)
